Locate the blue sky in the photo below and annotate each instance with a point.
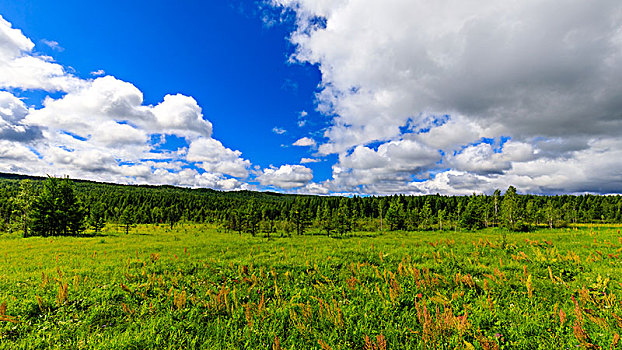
(349, 97)
(220, 52)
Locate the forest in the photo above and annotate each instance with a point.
(59, 206)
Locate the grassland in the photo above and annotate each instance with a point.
(196, 287)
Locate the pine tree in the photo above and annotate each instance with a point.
(127, 218)
(96, 217)
(24, 202)
(343, 220)
(395, 215)
(326, 219)
(57, 210)
(299, 217)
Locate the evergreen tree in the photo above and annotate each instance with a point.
(426, 215)
(326, 219)
(395, 215)
(252, 218)
(471, 216)
(343, 220)
(496, 199)
(127, 218)
(96, 217)
(24, 202)
(299, 217)
(56, 211)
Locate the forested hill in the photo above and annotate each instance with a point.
(254, 212)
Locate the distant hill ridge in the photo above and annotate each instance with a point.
(78, 182)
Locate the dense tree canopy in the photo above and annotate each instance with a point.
(51, 206)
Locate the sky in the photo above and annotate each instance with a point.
(344, 97)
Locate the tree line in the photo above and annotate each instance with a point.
(53, 206)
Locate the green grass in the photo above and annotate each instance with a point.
(196, 287)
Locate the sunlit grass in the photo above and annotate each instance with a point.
(198, 287)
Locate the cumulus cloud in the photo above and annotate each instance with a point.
(100, 129)
(214, 157)
(286, 176)
(181, 115)
(20, 68)
(382, 171)
(545, 74)
(12, 113)
(304, 142)
(314, 188)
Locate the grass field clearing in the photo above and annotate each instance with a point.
(198, 287)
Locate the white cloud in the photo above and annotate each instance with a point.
(545, 74)
(104, 101)
(382, 171)
(54, 45)
(98, 73)
(278, 131)
(12, 41)
(19, 68)
(309, 160)
(212, 156)
(13, 151)
(314, 188)
(12, 114)
(287, 176)
(301, 118)
(424, 97)
(305, 142)
(181, 115)
(12, 109)
(480, 159)
(100, 129)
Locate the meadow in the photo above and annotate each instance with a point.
(195, 286)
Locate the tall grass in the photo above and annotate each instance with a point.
(196, 287)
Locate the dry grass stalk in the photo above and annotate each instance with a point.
(323, 345)
(614, 343)
(562, 317)
(3, 315)
(62, 293)
(40, 303)
(379, 344)
(581, 335)
(277, 344)
(179, 300)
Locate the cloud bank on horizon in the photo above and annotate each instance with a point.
(451, 97)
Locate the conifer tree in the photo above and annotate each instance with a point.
(56, 210)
